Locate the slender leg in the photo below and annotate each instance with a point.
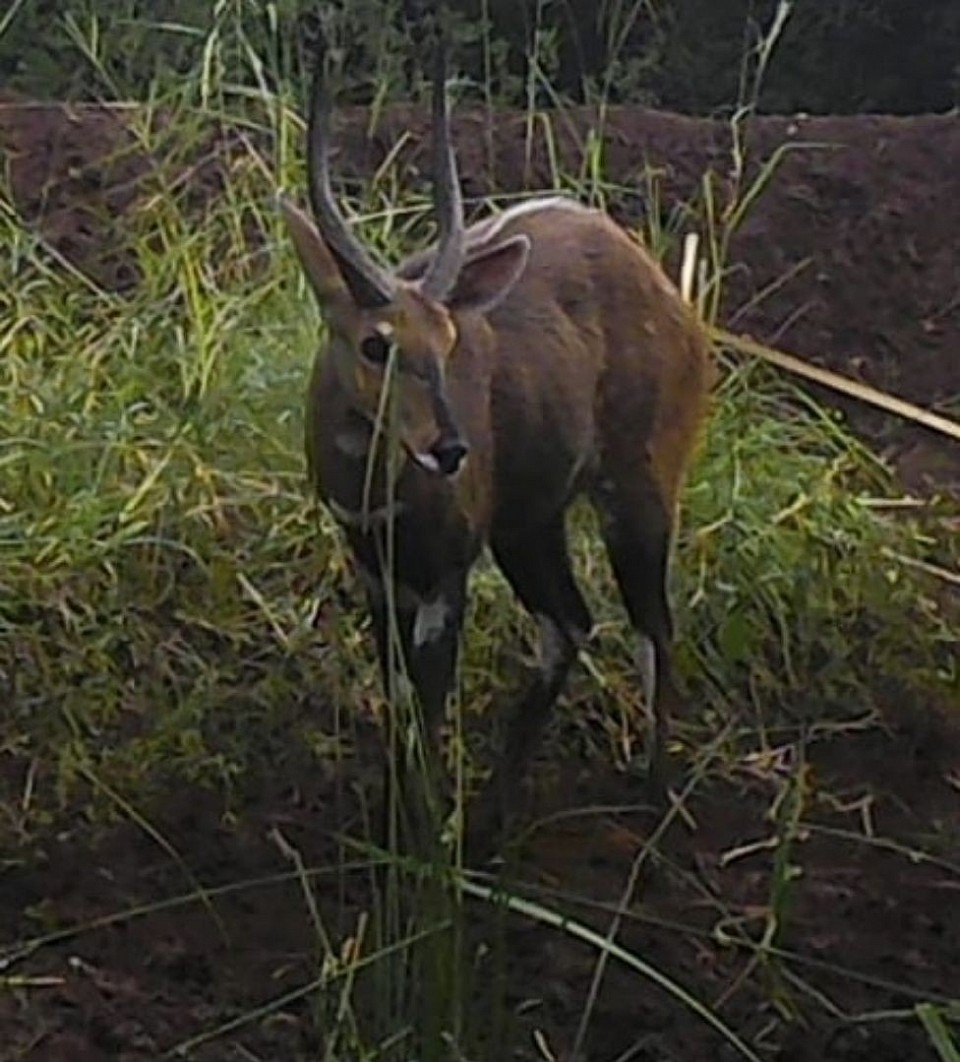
(537, 566)
(637, 533)
(426, 641)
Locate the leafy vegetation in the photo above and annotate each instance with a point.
(888, 56)
(155, 518)
(174, 610)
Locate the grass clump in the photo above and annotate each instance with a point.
(151, 450)
(163, 565)
(175, 613)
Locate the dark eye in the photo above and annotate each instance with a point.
(376, 349)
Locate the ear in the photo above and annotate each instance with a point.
(488, 275)
(316, 260)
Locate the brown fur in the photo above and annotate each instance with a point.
(591, 358)
(589, 375)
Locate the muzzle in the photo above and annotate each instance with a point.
(445, 456)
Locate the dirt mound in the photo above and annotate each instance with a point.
(848, 258)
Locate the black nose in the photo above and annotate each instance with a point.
(449, 455)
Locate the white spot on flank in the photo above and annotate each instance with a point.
(352, 443)
(431, 621)
(647, 666)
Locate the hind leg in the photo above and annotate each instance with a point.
(638, 531)
(537, 566)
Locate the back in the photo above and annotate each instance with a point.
(595, 357)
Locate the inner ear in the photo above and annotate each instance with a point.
(317, 262)
(489, 274)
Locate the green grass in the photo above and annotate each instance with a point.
(155, 521)
(175, 610)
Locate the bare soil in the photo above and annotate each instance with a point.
(863, 235)
(867, 930)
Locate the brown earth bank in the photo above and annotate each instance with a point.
(865, 234)
(848, 258)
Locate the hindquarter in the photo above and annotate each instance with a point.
(653, 397)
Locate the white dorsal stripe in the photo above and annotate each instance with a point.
(489, 228)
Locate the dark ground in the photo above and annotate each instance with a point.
(866, 927)
(876, 219)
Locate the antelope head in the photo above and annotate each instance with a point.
(374, 315)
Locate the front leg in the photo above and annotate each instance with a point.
(418, 649)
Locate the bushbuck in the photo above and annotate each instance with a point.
(537, 355)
